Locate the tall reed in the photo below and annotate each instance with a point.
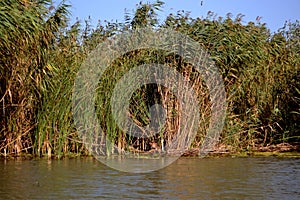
(38, 64)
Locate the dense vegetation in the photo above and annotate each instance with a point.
(40, 53)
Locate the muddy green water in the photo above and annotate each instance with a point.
(187, 178)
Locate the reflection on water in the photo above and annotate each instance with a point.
(138, 165)
(186, 178)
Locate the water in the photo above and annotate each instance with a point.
(186, 178)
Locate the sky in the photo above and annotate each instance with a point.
(273, 12)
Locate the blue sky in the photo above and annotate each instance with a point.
(273, 12)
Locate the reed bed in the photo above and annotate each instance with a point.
(39, 62)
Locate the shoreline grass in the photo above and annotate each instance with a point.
(39, 62)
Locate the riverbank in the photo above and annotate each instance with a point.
(278, 150)
(281, 150)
